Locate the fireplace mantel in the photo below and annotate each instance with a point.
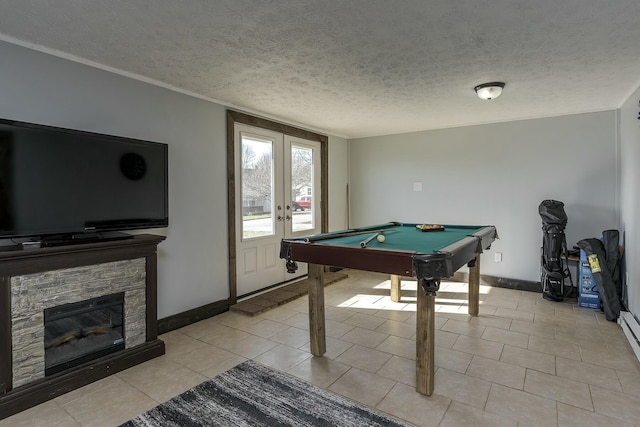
(17, 263)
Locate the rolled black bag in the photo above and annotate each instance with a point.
(594, 248)
(611, 242)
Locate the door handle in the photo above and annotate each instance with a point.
(280, 218)
(288, 218)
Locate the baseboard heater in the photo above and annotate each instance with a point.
(631, 327)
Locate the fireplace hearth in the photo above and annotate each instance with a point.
(83, 331)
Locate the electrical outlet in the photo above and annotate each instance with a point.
(417, 186)
(497, 257)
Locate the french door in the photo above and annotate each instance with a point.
(277, 194)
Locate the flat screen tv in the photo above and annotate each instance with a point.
(62, 184)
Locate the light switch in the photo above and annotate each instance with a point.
(417, 186)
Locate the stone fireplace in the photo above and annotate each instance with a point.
(104, 294)
(32, 294)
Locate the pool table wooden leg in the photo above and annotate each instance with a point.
(425, 331)
(316, 309)
(474, 288)
(395, 288)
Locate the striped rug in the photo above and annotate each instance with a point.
(252, 394)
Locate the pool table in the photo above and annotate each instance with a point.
(410, 250)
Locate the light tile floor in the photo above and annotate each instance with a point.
(523, 362)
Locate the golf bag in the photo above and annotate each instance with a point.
(553, 268)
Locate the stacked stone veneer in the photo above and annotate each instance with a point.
(33, 293)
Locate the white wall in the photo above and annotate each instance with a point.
(192, 271)
(493, 175)
(630, 195)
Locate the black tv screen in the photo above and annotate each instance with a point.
(63, 182)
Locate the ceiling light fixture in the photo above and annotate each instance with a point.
(489, 91)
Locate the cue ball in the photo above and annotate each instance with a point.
(380, 238)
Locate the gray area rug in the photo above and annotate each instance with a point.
(252, 394)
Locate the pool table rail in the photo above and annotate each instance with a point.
(391, 262)
(451, 258)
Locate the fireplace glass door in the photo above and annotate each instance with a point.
(79, 332)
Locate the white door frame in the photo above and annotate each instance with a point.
(257, 252)
(234, 117)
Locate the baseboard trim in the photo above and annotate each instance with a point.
(188, 317)
(631, 327)
(501, 282)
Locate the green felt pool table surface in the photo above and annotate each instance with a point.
(406, 237)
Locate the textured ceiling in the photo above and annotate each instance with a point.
(355, 68)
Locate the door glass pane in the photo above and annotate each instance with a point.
(257, 188)
(302, 188)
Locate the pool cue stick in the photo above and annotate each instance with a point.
(347, 208)
(364, 243)
(312, 239)
(391, 228)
